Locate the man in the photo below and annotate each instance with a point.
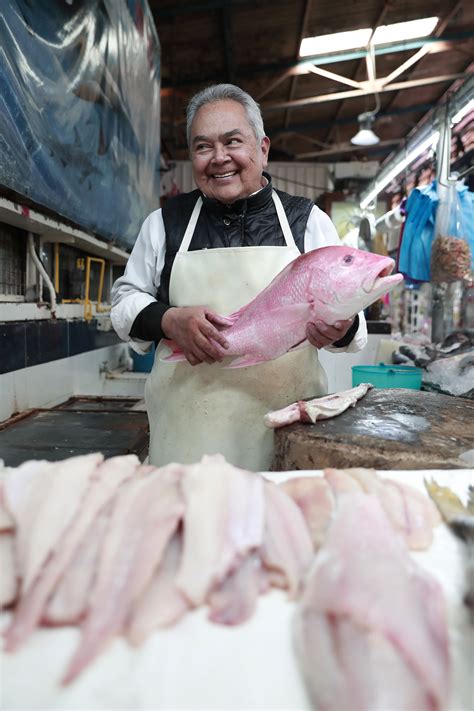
(203, 256)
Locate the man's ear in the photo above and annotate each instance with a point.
(265, 150)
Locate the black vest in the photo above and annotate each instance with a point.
(252, 222)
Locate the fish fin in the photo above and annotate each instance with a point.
(245, 361)
(298, 346)
(176, 354)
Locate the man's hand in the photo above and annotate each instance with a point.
(195, 329)
(320, 334)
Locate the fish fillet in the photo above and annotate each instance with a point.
(287, 548)
(234, 601)
(51, 500)
(320, 408)
(161, 603)
(223, 522)
(8, 577)
(314, 497)
(371, 630)
(105, 479)
(146, 516)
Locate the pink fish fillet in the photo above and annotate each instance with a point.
(287, 548)
(68, 603)
(161, 603)
(105, 480)
(410, 511)
(314, 497)
(145, 518)
(320, 408)
(371, 631)
(222, 524)
(234, 601)
(8, 576)
(52, 498)
(329, 283)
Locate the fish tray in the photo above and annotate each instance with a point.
(387, 376)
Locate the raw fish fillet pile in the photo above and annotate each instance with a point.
(371, 630)
(411, 514)
(119, 548)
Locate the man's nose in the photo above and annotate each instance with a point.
(220, 153)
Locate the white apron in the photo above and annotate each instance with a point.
(205, 409)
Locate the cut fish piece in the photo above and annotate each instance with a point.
(68, 603)
(144, 519)
(8, 577)
(53, 494)
(320, 408)
(287, 549)
(234, 601)
(365, 592)
(161, 603)
(222, 524)
(314, 497)
(341, 482)
(105, 479)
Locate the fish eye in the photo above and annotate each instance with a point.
(348, 259)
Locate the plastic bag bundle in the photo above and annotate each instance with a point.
(450, 251)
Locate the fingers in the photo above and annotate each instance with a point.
(321, 334)
(218, 319)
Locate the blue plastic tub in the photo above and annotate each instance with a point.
(143, 363)
(387, 376)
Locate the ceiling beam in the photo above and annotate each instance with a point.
(299, 66)
(343, 148)
(356, 93)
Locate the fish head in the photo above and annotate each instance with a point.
(345, 280)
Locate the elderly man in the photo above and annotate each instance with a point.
(203, 255)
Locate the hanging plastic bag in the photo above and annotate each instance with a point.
(450, 252)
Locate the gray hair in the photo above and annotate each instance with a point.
(220, 92)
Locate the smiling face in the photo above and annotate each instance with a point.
(227, 158)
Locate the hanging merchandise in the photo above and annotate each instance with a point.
(450, 251)
(415, 247)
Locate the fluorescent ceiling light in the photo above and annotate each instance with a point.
(338, 41)
(324, 44)
(462, 112)
(429, 142)
(404, 30)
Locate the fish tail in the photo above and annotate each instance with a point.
(176, 354)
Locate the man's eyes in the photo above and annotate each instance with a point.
(203, 147)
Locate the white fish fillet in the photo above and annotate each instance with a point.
(52, 498)
(68, 603)
(314, 497)
(320, 408)
(223, 522)
(287, 547)
(412, 513)
(234, 601)
(104, 481)
(366, 595)
(146, 516)
(161, 603)
(8, 572)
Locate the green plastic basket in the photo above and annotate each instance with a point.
(387, 376)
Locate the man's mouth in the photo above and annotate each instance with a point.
(221, 176)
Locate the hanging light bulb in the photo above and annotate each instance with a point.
(365, 136)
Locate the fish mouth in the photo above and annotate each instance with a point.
(383, 279)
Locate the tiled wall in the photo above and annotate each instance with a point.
(27, 343)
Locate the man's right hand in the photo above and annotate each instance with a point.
(195, 329)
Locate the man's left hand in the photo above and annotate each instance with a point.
(321, 334)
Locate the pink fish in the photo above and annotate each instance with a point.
(329, 284)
